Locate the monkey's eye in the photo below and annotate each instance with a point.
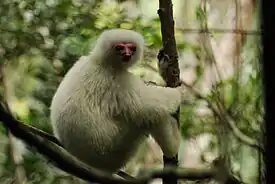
(119, 47)
(133, 49)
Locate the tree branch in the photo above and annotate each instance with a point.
(68, 163)
(170, 72)
(168, 65)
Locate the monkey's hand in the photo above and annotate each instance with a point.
(183, 94)
(162, 64)
(150, 83)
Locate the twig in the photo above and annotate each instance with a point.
(217, 30)
(186, 30)
(20, 174)
(229, 119)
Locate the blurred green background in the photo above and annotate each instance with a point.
(41, 39)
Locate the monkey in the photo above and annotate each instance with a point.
(101, 112)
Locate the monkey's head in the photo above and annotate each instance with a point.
(119, 48)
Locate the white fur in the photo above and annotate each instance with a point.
(101, 113)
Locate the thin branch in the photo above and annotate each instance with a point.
(44, 134)
(222, 130)
(229, 119)
(186, 30)
(20, 174)
(217, 30)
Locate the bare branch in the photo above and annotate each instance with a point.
(43, 134)
(20, 174)
(217, 30)
(72, 165)
(228, 119)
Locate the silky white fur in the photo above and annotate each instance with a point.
(101, 112)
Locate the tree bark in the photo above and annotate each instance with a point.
(168, 64)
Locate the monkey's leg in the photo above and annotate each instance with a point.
(167, 135)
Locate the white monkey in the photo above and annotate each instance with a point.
(101, 112)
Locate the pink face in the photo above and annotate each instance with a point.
(125, 50)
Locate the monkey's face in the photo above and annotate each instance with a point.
(125, 51)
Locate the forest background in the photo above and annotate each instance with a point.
(41, 39)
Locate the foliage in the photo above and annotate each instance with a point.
(41, 39)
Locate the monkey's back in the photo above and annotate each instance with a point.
(90, 118)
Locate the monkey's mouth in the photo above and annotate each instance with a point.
(126, 58)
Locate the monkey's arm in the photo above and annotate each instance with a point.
(166, 132)
(163, 98)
